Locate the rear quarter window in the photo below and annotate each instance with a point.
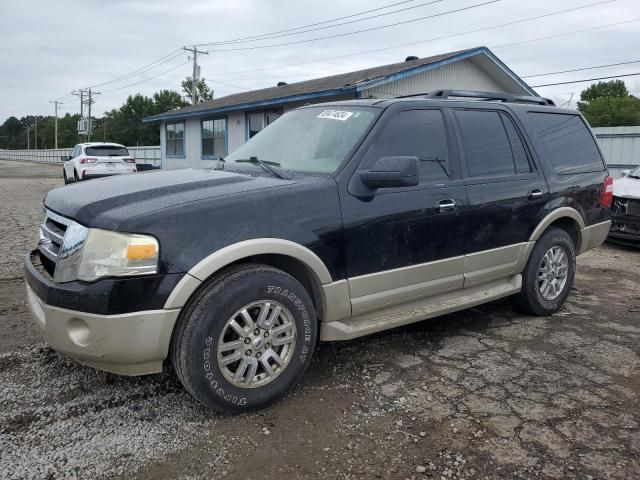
(567, 142)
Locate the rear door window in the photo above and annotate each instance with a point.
(107, 151)
(568, 142)
(486, 145)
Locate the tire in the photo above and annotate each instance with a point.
(532, 298)
(204, 325)
(64, 175)
(76, 178)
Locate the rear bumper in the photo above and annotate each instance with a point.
(128, 344)
(625, 229)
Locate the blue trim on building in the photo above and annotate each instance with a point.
(509, 72)
(419, 69)
(255, 105)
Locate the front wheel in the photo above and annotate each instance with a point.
(549, 274)
(245, 339)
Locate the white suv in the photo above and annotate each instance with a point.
(97, 159)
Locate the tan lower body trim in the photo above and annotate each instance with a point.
(594, 235)
(420, 309)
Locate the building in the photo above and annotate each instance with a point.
(620, 147)
(196, 136)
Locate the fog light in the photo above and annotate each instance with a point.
(79, 332)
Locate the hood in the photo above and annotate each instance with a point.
(107, 202)
(627, 187)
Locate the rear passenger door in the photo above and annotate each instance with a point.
(506, 190)
(407, 243)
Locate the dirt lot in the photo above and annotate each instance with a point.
(485, 393)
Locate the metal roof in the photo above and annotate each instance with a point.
(341, 84)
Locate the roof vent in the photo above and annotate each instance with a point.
(410, 58)
(280, 84)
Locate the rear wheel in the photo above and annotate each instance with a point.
(549, 274)
(64, 175)
(76, 178)
(245, 339)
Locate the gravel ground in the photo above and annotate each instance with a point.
(484, 393)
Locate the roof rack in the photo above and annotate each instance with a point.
(445, 94)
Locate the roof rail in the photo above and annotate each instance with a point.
(445, 94)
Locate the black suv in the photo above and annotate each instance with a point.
(337, 221)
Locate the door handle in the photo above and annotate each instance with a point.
(535, 194)
(446, 206)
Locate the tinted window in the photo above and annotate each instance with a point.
(486, 145)
(417, 133)
(107, 151)
(568, 142)
(517, 147)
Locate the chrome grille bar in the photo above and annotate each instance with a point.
(52, 233)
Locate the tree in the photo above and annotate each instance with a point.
(203, 92)
(613, 88)
(609, 104)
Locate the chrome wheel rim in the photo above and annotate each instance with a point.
(257, 344)
(553, 273)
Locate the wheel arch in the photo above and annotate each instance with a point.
(290, 257)
(567, 219)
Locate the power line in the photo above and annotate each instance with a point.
(443, 37)
(272, 36)
(380, 27)
(580, 69)
(310, 25)
(582, 30)
(147, 79)
(167, 58)
(224, 83)
(586, 80)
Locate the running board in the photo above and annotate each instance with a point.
(422, 309)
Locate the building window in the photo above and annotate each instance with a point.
(259, 120)
(214, 137)
(175, 139)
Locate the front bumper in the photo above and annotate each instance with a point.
(625, 229)
(128, 344)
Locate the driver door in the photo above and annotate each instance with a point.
(406, 243)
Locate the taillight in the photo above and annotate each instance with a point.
(88, 160)
(606, 198)
(129, 160)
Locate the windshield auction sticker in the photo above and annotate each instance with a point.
(336, 115)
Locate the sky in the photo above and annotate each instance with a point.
(48, 49)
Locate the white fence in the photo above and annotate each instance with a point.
(143, 155)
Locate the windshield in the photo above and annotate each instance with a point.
(314, 140)
(107, 151)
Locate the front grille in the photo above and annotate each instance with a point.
(52, 233)
(625, 206)
(633, 207)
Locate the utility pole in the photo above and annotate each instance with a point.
(35, 137)
(28, 139)
(55, 121)
(196, 72)
(89, 125)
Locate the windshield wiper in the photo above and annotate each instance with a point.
(266, 165)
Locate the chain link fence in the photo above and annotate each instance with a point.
(149, 155)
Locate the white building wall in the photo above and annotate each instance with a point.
(236, 130)
(462, 75)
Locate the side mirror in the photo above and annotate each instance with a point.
(392, 172)
(624, 173)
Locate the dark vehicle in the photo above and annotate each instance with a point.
(625, 218)
(337, 221)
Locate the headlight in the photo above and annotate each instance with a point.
(90, 254)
